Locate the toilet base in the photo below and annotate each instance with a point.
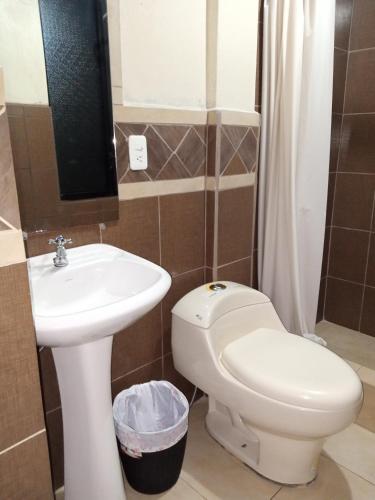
(286, 460)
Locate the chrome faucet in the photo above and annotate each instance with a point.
(61, 259)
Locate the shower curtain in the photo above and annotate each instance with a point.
(294, 156)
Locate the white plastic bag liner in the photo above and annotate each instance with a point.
(150, 417)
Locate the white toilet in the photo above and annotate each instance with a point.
(273, 396)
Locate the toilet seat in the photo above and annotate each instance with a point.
(292, 370)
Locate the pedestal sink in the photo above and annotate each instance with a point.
(77, 309)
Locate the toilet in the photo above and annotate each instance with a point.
(274, 397)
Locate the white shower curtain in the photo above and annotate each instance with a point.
(294, 157)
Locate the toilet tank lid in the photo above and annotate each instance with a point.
(205, 304)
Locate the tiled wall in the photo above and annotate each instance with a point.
(24, 460)
(348, 272)
(168, 229)
(35, 163)
(174, 151)
(230, 216)
(8, 199)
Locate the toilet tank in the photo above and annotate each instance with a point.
(209, 317)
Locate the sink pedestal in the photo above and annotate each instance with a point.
(91, 459)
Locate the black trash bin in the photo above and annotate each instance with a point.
(151, 422)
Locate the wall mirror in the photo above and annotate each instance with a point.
(55, 60)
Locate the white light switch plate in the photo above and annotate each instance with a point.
(137, 152)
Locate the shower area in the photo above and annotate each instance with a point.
(289, 251)
(346, 311)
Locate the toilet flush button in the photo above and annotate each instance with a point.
(216, 287)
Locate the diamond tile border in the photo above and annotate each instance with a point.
(175, 151)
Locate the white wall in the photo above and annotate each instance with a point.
(163, 45)
(237, 32)
(21, 52)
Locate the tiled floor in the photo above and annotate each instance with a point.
(347, 466)
(347, 470)
(349, 344)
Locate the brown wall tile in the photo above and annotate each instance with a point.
(192, 152)
(357, 151)
(181, 285)
(235, 224)
(348, 254)
(18, 138)
(21, 405)
(37, 243)
(182, 232)
(368, 314)
(330, 197)
(173, 376)
(362, 33)
(239, 271)
(55, 436)
(174, 151)
(322, 292)
(327, 236)
(211, 149)
(144, 374)
(353, 201)
(339, 72)
(137, 230)
(50, 386)
(335, 141)
(343, 303)
(360, 85)
(41, 141)
(25, 472)
(342, 24)
(370, 275)
(137, 345)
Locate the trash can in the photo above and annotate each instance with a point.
(151, 423)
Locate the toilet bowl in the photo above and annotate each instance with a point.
(273, 396)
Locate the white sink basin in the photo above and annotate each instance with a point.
(100, 292)
(76, 310)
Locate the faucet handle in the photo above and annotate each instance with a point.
(60, 241)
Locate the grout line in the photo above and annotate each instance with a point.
(354, 51)
(352, 229)
(277, 492)
(184, 479)
(189, 271)
(2, 452)
(136, 369)
(234, 261)
(337, 165)
(361, 113)
(349, 281)
(215, 246)
(53, 409)
(235, 150)
(352, 173)
(205, 208)
(367, 265)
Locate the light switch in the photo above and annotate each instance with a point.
(137, 152)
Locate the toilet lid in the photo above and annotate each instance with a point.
(292, 369)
